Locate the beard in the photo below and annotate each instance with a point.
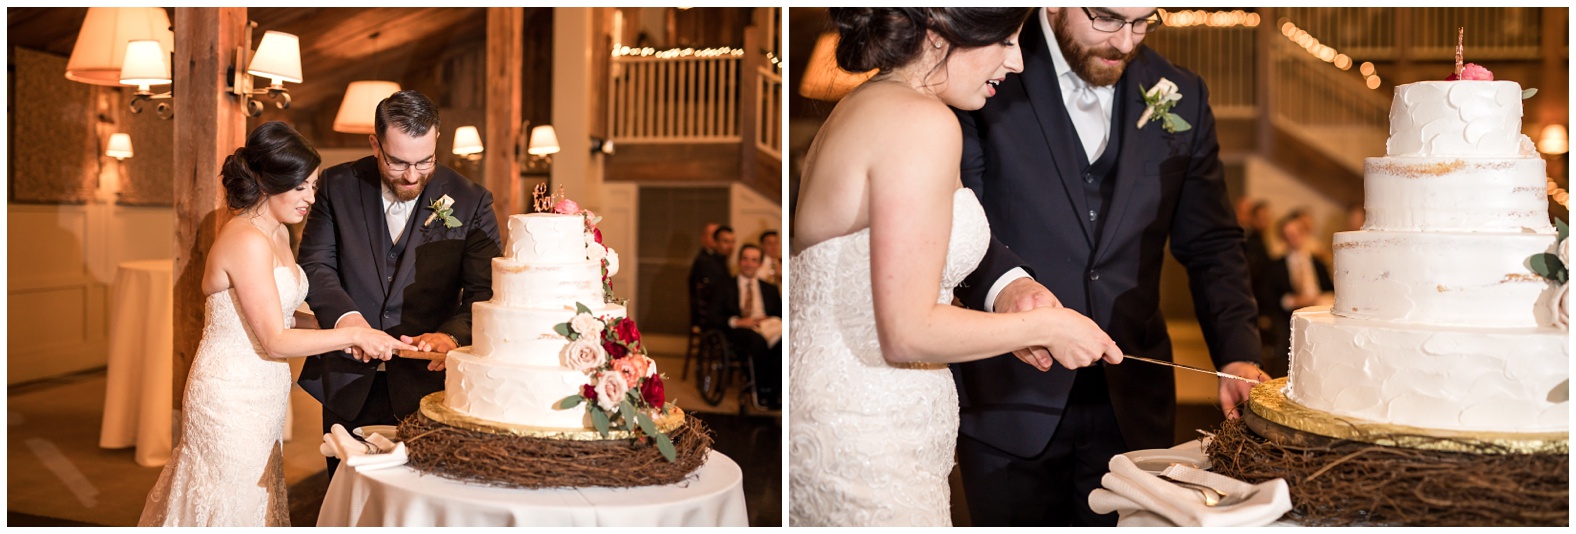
(403, 194)
(1086, 62)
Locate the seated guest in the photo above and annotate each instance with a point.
(750, 311)
(772, 267)
(710, 267)
(1296, 280)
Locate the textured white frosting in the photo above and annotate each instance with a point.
(1440, 278)
(1459, 118)
(1456, 194)
(546, 238)
(1454, 378)
(519, 284)
(512, 393)
(524, 336)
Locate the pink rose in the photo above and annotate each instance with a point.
(610, 390)
(630, 368)
(1472, 71)
(584, 355)
(566, 207)
(652, 392)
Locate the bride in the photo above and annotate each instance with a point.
(883, 231)
(228, 467)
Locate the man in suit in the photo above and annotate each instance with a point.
(1087, 200)
(1297, 280)
(378, 255)
(746, 308)
(709, 269)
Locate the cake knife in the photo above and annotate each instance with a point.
(1180, 366)
(420, 355)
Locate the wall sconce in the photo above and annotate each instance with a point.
(99, 53)
(358, 111)
(601, 146)
(544, 143)
(144, 67)
(109, 181)
(278, 58)
(468, 143)
(1555, 140)
(119, 146)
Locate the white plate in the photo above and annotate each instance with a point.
(388, 431)
(1153, 461)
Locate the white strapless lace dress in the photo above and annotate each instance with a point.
(871, 443)
(228, 469)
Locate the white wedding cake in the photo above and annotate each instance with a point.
(1438, 321)
(514, 372)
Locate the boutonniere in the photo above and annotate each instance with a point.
(1158, 100)
(443, 207)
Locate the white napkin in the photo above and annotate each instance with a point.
(340, 444)
(1143, 499)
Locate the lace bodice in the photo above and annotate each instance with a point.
(228, 468)
(871, 443)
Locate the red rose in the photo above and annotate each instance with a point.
(598, 234)
(614, 350)
(652, 392)
(627, 332)
(589, 392)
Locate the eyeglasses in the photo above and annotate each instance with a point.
(1113, 24)
(397, 167)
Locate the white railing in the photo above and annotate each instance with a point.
(1223, 57)
(768, 111)
(1377, 34)
(685, 99)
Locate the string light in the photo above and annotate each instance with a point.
(1326, 53)
(1558, 193)
(1213, 19)
(625, 51)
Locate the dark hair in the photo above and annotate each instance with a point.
(751, 246)
(408, 110)
(720, 229)
(766, 234)
(888, 37)
(275, 159)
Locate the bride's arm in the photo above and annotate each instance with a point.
(913, 174)
(246, 258)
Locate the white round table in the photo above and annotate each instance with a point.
(138, 399)
(401, 496)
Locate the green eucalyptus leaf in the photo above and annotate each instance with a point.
(1563, 228)
(1177, 123)
(1548, 265)
(665, 445)
(1528, 92)
(563, 329)
(646, 424)
(599, 420)
(626, 409)
(451, 222)
(570, 402)
(581, 308)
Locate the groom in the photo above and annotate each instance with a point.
(1087, 200)
(378, 254)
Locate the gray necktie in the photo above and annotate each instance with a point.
(395, 216)
(1088, 118)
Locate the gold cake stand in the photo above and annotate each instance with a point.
(433, 407)
(1268, 404)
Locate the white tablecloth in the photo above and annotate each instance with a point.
(138, 396)
(401, 496)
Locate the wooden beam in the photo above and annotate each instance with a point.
(209, 125)
(505, 52)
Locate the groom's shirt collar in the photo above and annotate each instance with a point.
(1062, 67)
(1068, 80)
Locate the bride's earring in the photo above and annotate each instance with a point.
(935, 44)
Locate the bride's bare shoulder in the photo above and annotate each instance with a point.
(896, 106)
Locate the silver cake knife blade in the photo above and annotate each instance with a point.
(1195, 369)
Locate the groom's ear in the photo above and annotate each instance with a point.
(372, 140)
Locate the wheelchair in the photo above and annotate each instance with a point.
(718, 365)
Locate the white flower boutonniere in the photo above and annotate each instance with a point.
(443, 207)
(1158, 100)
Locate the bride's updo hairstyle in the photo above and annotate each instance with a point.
(885, 38)
(275, 159)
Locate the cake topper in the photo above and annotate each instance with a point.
(1461, 35)
(541, 202)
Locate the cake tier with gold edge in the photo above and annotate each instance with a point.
(434, 407)
(1268, 401)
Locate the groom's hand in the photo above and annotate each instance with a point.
(433, 342)
(1234, 392)
(354, 320)
(1022, 295)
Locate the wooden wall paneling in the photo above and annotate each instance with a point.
(505, 53)
(55, 156)
(209, 125)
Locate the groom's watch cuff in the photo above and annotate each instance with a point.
(1001, 283)
(342, 317)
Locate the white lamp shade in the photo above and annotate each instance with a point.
(278, 58)
(1555, 140)
(544, 141)
(467, 141)
(101, 44)
(144, 64)
(358, 112)
(119, 146)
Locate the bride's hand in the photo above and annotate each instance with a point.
(1074, 340)
(376, 344)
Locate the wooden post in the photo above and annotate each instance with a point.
(209, 125)
(505, 53)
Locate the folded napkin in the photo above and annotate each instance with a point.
(340, 444)
(1143, 499)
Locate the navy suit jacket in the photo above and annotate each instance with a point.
(430, 289)
(1022, 156)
